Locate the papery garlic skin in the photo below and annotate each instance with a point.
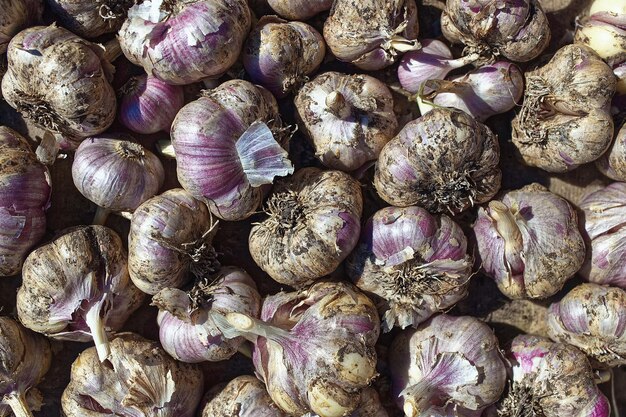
(528, 242)
(592, 317)
(17, 15)
(447, 365)
(613, 162)
(349, 118)
(371, 34)
(369, 406)
(139, 379)
(91, 18)
(313, 224)
(185, 41)
(607, 40)
(24, 197)
(565, 119)
(415, 262)
(77, 287)
(299, 9)
(445, 161)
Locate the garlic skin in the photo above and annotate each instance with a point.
(528, 242)
(227, 146)
(24, 197)
(369, 406)
(447, 366)
(170, 236)
(613, 162)
(445, 161)
(91, 18)
(415, 262)
(77, 287)
(17, 15)
(313, 224)
(299, 9)
(40, 85)
(565, 119)
(607, 40)
(371, 34)
(185, 41)
(348, 118)
(280, 55)
(139, 379)
(591, 317)
(186, 327)
(24, 361)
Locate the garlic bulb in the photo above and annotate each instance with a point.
(313, 224)
(91, 18)
(591, 317)
(17, 15)
(170, 236)
(529, 242)
(139, 379)
(607, 40)
(371, 34)
(565, 119)
(299, 9)
(610, 11)
(186, 328)
(75, 101)
(280, 55)
(24, 361)
(447, 366)
(555, 378)
(415, 262)
(349, 118)
(443, 161)
(22, 214)
(77, 287)
(185, 41)
(613, 162)
(226, 149)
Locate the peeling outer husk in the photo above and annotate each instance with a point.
(170, 236)
(229, 144)
(17, 15)
(551, 380)
(280, 55)
(445, 161)
(447, 366)
(314, 348)
(415, 262)
(607, 40)
(565, 119)
(24, 361)
(313, 224)
(91, 18)
(22, 214)
(528, 242)
(139, 379)
(299, 9)
(371, 34)
(349, 118)
(184, 41)
(73, 101)
(605, 232)
(186, 327)
(613, 162)
(592, 317)
(77, 287)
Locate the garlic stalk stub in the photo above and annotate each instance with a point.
(299, 9)
(447, 366)
(24, 197)
(226, 148)
(529, 242)
(613, 162)
(371, 34)
(181, 42)
(77, 287)
(565, 119)
(415, 262)
(91, 18)
(24, 361)
(445, 161)
(139, 379)
(313, 224)
(17, 15)
(349, 118)
(592, 317)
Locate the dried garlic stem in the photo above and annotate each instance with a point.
(252, 328)
(422, 391)
(17, 402)
(96, 327)
(101, 216)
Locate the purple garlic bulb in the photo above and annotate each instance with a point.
(613, 162)
(592, 317)
(77, 288)
(17, 15)
(299, 9)
(22, 213)
(280, 55)
(416, 263)
(184, 41)
(226, 149)
(348, 118)
(186, 328)
(529, 242)
(448, 366)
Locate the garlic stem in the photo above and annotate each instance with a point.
(337, 105)
(17, 402)
(166, 149)
(101, 216)
(417, 398)
(251, 328)
(96, 327)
